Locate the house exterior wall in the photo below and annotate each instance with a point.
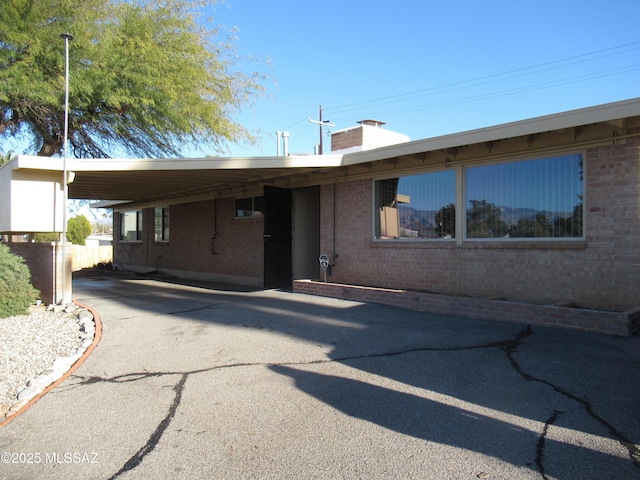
(600, 272)
(200, 246)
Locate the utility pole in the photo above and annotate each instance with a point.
(64, 300)
(320, 119)
(322, 123)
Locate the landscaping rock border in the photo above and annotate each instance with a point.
(56, 337)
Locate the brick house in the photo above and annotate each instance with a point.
(535, 221)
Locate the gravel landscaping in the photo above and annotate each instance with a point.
(35, 349)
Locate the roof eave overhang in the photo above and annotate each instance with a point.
(612, 112)
(150, 181)
(175, 164)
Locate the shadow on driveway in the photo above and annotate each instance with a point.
(527, 402)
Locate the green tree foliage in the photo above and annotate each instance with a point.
(45, 237)
(6, 157)
(539, 226)
(571, 226)
(146, 76)
(445, 221)
(483, 220)
(16, 291)
(78, 229)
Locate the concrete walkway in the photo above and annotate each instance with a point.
(195, 383)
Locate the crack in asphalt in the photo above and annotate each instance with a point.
(632, 449)
(155, 437)
(509, 347)
(177, 312)
(541, 443)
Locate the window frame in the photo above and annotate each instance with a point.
(139, 226)
(255, 213)
(165, 222)
(461, 202)
(516, 160)
(375, 220)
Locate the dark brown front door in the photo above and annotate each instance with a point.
(277, 238)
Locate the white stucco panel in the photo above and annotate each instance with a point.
(30, 200)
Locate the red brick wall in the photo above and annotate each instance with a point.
(46, 276)
(601, 273)
(595, 321)
(352, 137)
(198, 243)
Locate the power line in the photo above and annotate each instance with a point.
(486, 79)
(373, 105)
(497, 94)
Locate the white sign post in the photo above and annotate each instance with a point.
(324, 263)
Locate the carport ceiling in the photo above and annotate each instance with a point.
(136, 186)
(149, 180)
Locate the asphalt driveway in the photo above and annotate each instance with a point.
(192, 382)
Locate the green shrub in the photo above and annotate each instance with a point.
(16, 291)
(78, 229)
(46, 237)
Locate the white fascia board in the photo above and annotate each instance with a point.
(151, 164)
(574, 118)
(30, 162)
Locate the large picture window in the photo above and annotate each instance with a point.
(416, 207)
(131, 226)
(539, 198)
(529, 199)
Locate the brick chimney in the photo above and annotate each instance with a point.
(368, 135)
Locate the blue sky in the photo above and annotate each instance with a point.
(429, 68)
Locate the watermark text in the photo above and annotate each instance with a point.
(25, 458)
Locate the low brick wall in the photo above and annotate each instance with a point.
(45, 264)
(558, 316)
